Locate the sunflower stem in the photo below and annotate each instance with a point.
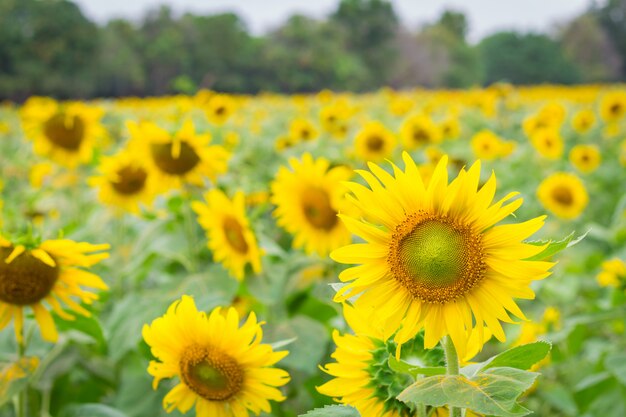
(22, 395)
(188, 224)
(452, 366)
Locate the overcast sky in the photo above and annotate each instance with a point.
(485, 16)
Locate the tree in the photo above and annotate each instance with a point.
(612, 17)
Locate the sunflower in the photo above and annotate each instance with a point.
(125, 181)
(583, 121)
(63, 132)
(308, 198)
(374, 142)
(419, 130)
(487, 145)
(548, 142)
(450, 128)
(362, 376)
(613, 106)
(613, 273)
(184, 157)
(224, 369)
(586, 158)
(48, 273)
(220, 108)
(334, 118)
(302, 130)
(564, 194)
(230, 237)
(434, 256)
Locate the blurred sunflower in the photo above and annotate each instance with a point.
(613, 106)
(489, 146)
(419, 130)
(302, 130)
(548, 142)
(583, 121)
(228, 230)
(308, 197)
(334, 118)
(374, 142)
(48, 273)
(224, 369)
(613, 273)
(563, 194)
(184, 157)
(63, 132)
(450, 128)
(585, 158)
(434, 255)
(220, 108)
(125, 181)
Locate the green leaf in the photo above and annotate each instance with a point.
(332, 411)
(616, 365)
(89, 326)
(90, 410)
(520, 357)
(555, 247)
(493, 392)
(403, 367)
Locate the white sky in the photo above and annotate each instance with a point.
(485, 16)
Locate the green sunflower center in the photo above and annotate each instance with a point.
(211, 373)
(181, 164)
(130, 180)
(563, 195)
(436, 259)
(234, 235)
(375, 143)
(65, 131)
(26, 280)
(317, 209)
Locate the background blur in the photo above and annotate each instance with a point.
(84, 49)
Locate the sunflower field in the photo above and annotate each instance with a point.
(392, 254)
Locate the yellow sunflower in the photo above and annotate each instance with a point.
(564, 194)
(487, 145)
(302, 130)
(125, 182)
(583, 121)
(308, 198)
(613, 273)
(419, 130)
(548, 142)
(434, 255)
(220, 108)
(176, 159)
(613, 106)
(63, 132)
(48, 273)
(224, 369)
(228, 230)
(450, 128)
(374, 142)
(585, 158)
(334, 118)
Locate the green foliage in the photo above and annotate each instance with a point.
(520, 357)
(332, 411)
(553, 248)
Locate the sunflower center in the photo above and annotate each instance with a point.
(65, 131)
(130, 180)
(616, 108)
(375, 143)
(317, 209)
(435, 258)
(563, 195)
(420, 135)
(26, 280)
(234, 235)
(220, 110)
(211, 373)
(305, 134)
(185, 161)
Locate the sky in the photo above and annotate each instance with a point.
(485, 16)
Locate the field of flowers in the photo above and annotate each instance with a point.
(321, 255)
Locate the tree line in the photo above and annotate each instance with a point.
(49, 47)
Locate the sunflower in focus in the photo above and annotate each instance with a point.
(179, 158)
(548, 142)
(564, 194)
(63, 132)
(224, 369)
(585, 158)
(308, 198)
(228, 230)
(48, 274)
(220, 108)
(302, 130)
(434, 255)
(419, 130)
(125, 181)
(583, 121)
(374, 142)
(613, 106)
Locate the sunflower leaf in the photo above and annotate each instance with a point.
(403, 367)
(493, 392)
(520, 357)
(332, 411)
(555, 247)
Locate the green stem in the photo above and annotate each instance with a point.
(22, 395)
(188, 225)
(452, 366)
